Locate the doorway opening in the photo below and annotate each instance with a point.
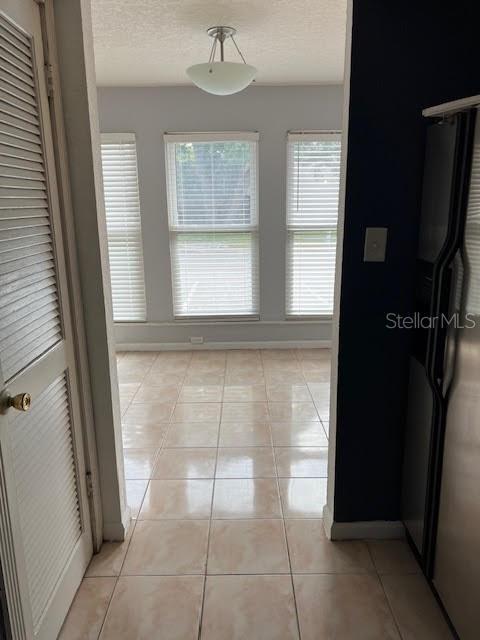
(221, 216)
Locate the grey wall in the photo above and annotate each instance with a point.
(149, 112)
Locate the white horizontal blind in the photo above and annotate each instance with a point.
(313, 177)
(124, 231)
(213, 219)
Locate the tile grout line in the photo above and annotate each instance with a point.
(169, 424)
(159, 450)
(108, 607)
(141, 381)
(136, 519)
(230, 574)
(315, 404)
(199, 518)
(202, 605)
(397, 626)
(285, 535)
(322, 422)
(162, 443)
(254, 477)
(117, 577)
(310, 392)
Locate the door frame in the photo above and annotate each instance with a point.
(331, 528)
(72, 269)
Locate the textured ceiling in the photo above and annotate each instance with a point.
(151, 42)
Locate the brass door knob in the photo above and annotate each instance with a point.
(21, 401)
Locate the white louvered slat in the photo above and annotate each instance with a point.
(29, 316)
(43, 456)
(124, 230)
(34, 345)
(313, 178)
(21, 321)
(30, 302)
(213, 220)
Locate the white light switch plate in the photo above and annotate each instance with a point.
(375, 244)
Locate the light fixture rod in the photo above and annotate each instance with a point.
(220, 34)
(212, 52)
(237, 48)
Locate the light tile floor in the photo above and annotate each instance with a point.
(226, 465)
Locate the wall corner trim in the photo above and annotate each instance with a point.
(328, 521)
(371, 529)
(117, 531)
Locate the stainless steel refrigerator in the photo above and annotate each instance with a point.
(441, 473)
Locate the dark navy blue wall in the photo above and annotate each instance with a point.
(405, 56)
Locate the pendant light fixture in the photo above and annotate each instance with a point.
(222, 78)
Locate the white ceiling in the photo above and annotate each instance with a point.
(151, 42)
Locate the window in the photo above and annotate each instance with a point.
(213, 220)
(124, 232)
(313, 176)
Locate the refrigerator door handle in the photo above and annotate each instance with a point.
(454, 317)
(450, 353)
(440, 314)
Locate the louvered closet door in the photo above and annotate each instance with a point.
(45, 538)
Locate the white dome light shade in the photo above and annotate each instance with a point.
(221, 78)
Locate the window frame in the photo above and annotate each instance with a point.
(127, 138)
(290, 229)
(174, 230)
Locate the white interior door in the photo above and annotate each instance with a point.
(45, 536)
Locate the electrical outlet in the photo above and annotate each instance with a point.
(196, 339)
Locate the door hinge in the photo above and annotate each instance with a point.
(49, 79)
(89, 483)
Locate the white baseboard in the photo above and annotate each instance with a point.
(187, 346)
(224, 334)
(362, 530)
(117, 531)
(327, 519)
